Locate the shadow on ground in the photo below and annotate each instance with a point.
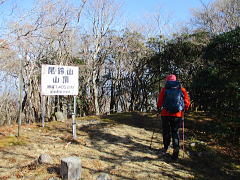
(205, 163)
(136, 119)
(131, 149)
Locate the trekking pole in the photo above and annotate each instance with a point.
(183, 136)
(152, 136)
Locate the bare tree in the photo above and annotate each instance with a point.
(45, 34)
(101, 14)
(218, 16)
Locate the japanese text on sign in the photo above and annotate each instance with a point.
(59, 80)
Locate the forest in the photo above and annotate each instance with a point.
(120, 69)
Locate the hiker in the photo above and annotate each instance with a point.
(172, 101)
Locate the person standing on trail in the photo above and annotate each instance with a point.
(172, 101)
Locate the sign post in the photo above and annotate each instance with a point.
(73, 119)
(60, 80)
(43, 110)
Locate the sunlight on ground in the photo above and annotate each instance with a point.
(115, 144)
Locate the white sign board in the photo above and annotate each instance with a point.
(59, 80)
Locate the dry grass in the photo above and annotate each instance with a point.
(105, 144)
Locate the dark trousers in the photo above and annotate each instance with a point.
(170, 126)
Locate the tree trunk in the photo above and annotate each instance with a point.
(112, 100)
(95, 93)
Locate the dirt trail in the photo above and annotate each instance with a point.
(121, 150)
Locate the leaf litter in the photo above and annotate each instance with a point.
(109, 145)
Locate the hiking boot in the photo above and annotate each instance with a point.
(163, 151)
(175, 154)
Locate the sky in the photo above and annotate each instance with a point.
(133, 9)
(133, 12)
(179, 9)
